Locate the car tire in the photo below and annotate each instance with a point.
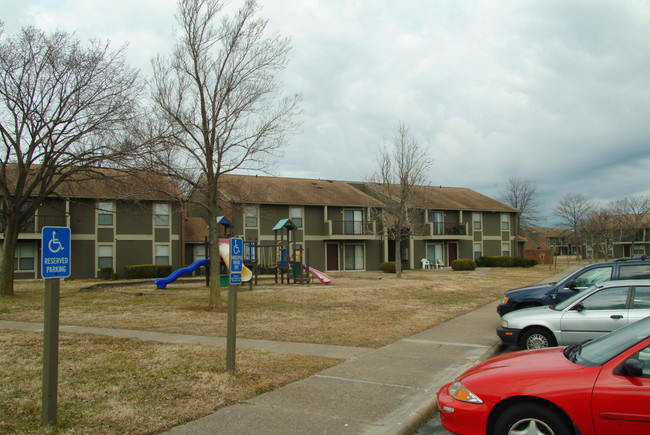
(532, 418)
(537, 338)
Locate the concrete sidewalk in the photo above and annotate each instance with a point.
(390, 390)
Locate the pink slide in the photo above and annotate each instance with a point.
(325, 279)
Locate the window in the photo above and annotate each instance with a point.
(434, 253)
(30, 224)
(641, 298)
(644, 356)
(24, 259)
(635, 271)
(639, 250)
(162, 255)
(295, 214)
(478, 251)
(104, 256)
(353, 257)
(250, 216)
(162, 215)
(476, 218)
(505, 249)
(613, 298)
(105, 213)
(353, 221)
(505, 222)
(593, 276)
(435, 217)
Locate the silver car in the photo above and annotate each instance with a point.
(591, 313)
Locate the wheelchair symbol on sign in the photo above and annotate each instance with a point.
(235, 249)
(56, 243)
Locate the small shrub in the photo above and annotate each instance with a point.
(463, 264)
(106, 273)
(388, 267)
(524, 262)
(142, 271)
(164, 270)
(495, 261)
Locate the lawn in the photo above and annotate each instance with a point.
(110, 385)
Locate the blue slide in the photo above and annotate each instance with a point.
(162, 282)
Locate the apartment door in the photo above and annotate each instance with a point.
(332, 256)
(453, 252)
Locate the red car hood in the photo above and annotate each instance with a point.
(542, 373)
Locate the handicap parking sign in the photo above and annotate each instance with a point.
(236, 260)
(55, 255)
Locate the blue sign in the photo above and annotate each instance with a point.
(236, 260)
(55, 255)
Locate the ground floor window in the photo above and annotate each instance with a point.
(354, 257)
(505, 249)
(162, 255)
(639, 250)
(24, 258)
(434, 253)
(478, 251)
(104, 256)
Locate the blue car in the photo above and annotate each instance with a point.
(591, 274)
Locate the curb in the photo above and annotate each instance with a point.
(430, 408)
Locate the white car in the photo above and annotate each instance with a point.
(586, 315)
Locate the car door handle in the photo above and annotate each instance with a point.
(616, 316)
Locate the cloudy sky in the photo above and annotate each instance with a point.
(556, 92)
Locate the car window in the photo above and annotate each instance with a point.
(612, 298)
(641, 298)
(593, 276)
(644, 356)
(634, 271)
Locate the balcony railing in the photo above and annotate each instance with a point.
(350, 228)
(442, 229)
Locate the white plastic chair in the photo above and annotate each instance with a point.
(425, 264)
(439, 264)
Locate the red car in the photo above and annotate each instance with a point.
(598, 387)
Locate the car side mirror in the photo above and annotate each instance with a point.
(579, 307)
(571, 285)
(633, 367)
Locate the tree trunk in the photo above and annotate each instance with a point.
(7, 260)
(398, 252)
(215, 262)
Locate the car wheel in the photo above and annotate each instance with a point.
(537, 338)
(531, 419)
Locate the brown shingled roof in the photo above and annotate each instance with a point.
(105, 183)
(453, 198)
(278, 190)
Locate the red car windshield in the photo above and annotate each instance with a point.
(603, 349)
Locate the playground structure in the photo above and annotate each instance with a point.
(283, 258)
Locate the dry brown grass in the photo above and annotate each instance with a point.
(110, 385)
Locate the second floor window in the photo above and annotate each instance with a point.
(435, 217)
(250, 216)
(476, 218)
(162, 215)
(105, 213)
(505, 222)
(295, 214)
(353, 221)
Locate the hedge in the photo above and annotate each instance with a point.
(142, 271)
(502, 261)
(463, 264)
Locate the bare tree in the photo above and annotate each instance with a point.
(573, 211)
(633, 212)
(599, 229)
(217, 106)
(522, 195)
(62, 108)
(403, 165)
